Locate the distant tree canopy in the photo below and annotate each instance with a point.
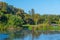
(10, 15)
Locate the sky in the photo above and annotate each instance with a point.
(40, 6)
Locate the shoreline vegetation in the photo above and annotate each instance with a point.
(15, 19)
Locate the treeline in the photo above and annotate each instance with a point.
(14, 17)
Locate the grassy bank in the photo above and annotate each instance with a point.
(43, 27)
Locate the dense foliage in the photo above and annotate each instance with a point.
(15, 17)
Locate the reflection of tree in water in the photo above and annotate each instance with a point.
(18, 35)
(36, 34)
(22, 34)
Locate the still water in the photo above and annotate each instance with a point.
(27, 35)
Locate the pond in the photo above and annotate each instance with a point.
(27, 35)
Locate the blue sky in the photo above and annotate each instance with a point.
(40, 6)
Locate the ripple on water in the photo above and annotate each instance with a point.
(49, 37)
(3, 36)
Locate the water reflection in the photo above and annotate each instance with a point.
(27, 35)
